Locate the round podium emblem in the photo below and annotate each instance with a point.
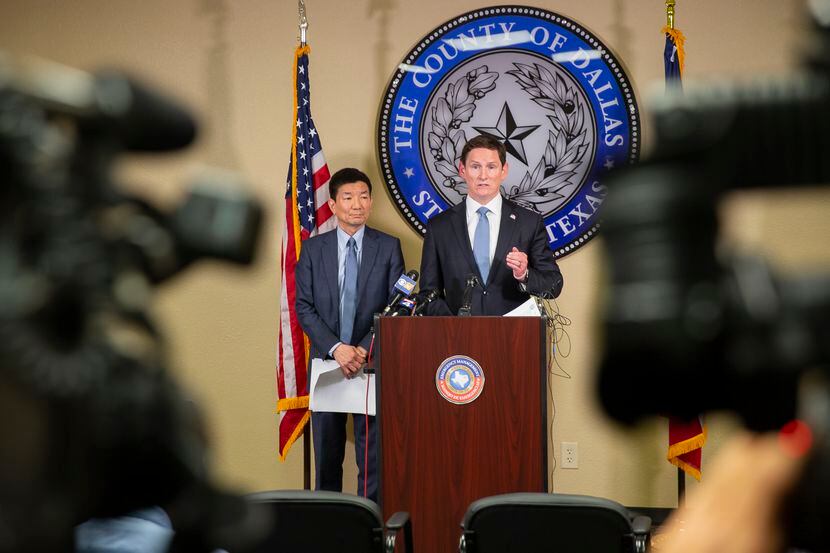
(459, 379)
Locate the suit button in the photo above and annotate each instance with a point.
(485, 292)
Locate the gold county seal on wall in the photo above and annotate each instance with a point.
(542, 84)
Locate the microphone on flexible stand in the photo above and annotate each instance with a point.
(404, 287)
(422, 299)
(467, 299)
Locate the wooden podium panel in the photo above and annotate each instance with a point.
(437, 457)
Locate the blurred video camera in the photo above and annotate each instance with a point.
(92, 424)
(689, 328)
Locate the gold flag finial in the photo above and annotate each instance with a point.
(670, 13)
(303, 21)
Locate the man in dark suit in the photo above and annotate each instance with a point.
(502, 244)
(344, 277)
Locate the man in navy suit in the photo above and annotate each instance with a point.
(344, 277)
(502, 244)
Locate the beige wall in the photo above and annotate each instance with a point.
(231, 61)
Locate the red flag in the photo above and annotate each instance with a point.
(306, 213)
(686, 438)
(686, 441)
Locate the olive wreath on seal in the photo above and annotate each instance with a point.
(446, 139)
(565, 148)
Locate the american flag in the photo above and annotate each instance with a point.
(686, 438)
(306, 213)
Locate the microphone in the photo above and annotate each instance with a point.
(422, 299)
(405, 307)
(467, 300)
(404, 287)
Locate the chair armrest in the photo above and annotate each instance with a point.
(397, 522)
(641, 525)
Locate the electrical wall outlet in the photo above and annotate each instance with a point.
(570, 455)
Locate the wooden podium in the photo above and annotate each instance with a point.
(436, 457)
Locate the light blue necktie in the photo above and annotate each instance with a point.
(481, 244)
(348, 305)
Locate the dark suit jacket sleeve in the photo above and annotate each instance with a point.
(395, 269)
(322, 337)
(431, 276)
(543, 272)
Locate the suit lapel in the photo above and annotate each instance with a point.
(330, 265)
(367, 259)
(459, 225)
(507, 227)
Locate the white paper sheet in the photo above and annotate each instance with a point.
(333, 393)
(527, 309)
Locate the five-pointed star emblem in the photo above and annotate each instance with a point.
(509, 133)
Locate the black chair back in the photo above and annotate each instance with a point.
(522, 522)
(321, 521)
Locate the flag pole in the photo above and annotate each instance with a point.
(303, 21)
(303, 26)
(681, 474)
(670, 13)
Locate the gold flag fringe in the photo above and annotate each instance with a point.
(687, 446)
(679, 41)
(298, 430)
